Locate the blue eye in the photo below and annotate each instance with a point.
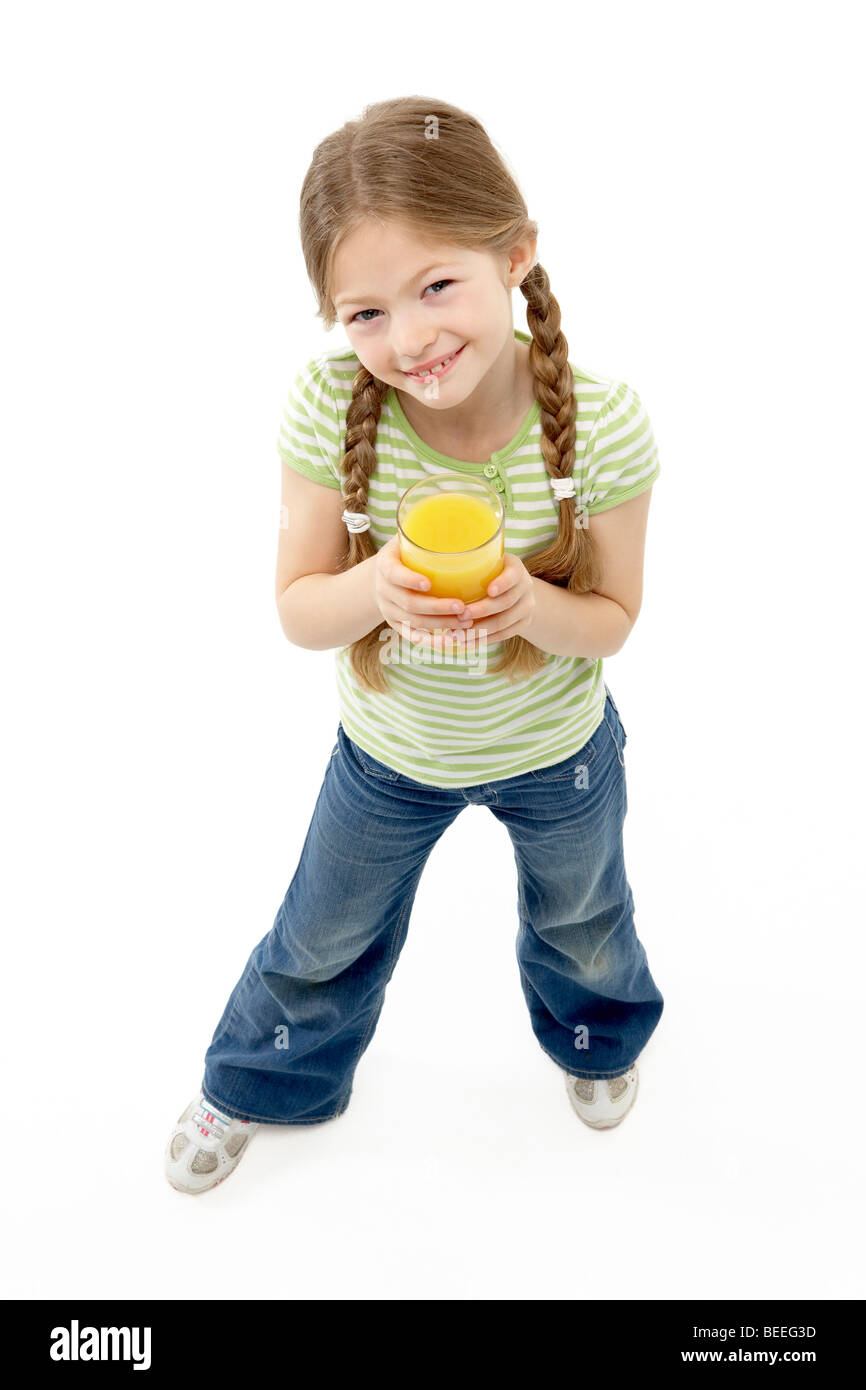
(377, 311)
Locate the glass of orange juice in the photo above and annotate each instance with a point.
(453, 530)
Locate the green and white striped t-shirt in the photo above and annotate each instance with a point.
(447, 720)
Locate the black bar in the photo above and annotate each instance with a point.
(207, 1338)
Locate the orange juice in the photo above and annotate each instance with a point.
(457, 540)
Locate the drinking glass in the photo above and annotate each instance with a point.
(452, 529)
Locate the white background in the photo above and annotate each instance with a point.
(695, 173)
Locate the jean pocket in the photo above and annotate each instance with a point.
(622, 733)
(373, 768)
(567, 770)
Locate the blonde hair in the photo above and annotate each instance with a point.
(453, 188)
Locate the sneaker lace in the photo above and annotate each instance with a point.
(210, 1123)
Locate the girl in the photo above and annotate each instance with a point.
(414, 234)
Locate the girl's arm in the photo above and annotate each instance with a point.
(598, 623)
(567, 624)
(320, 611)
(318, 607)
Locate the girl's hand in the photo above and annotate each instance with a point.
(400, 596)
(510, 606)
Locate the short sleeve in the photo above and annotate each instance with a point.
(310, 438)
(621, 458)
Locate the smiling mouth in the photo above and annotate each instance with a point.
(437, 369)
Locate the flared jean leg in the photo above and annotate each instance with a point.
(307, 1003)
(593, 1003)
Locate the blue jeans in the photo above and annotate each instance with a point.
(308, 1001)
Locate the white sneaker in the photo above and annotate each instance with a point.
(205, 1146)
(602, 1104)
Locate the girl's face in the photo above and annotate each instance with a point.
(407, 303)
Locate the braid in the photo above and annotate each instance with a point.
(571, 559)
(357, 465)
(553, 382)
